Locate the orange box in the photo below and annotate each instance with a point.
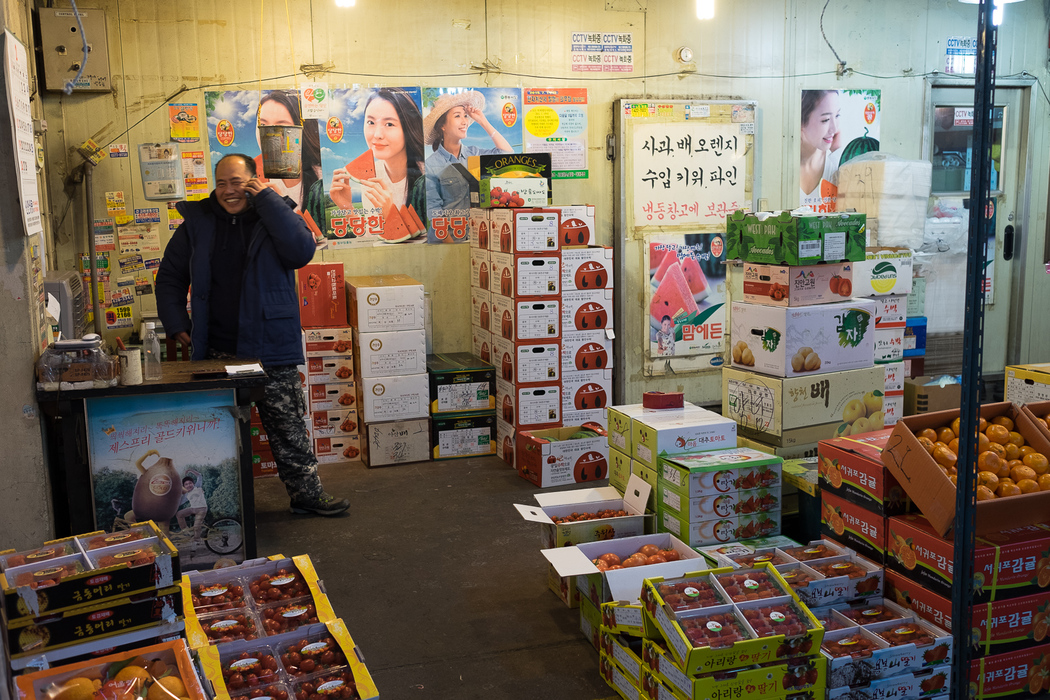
(854, 526)
(322, 295)
(934, 493)
(1036, 411)
(852, 469)
(1019, 553)
(1011, 675)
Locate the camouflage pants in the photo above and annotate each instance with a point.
(281, 410)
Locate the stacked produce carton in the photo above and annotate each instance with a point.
(393, 388)
(915, 350)
(462, 406)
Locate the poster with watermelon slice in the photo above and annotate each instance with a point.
(837, 126)
(373, 162)
(459, 123)
(686, 295)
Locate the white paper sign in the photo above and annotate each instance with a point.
(314, 99)
(16, 82)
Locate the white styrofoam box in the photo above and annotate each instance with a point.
(585, 391)
(340, 448)
(586, 268)
(394, 398)
(884, 271)
(506, 437)
(381, 303)
(889, 344)
(481, 344)
(586, 350)
(891, 311)
(332, 397)
(587, 311)
(391, 354)
(577, 224)
(481, 309)
(479, 268)
(597, 415)
(538, 405)
(526, 319)
(329, 370)
(479, 228)
(527, 363)
(537, 276)
(334, 423)
(502, 279)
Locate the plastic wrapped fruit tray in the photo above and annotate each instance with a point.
(860, 655)
(730, 619)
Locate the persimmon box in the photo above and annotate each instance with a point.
(481, 309)
(524, 231)
(553, 457)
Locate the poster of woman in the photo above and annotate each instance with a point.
(459, 123)
(837, 126)
(373, 160)
(686, 295)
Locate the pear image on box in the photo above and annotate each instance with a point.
(158, 491)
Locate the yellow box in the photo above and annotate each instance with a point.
(619, 470)
(1028, 383)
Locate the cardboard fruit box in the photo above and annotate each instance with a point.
(554, 509)
(586, 350)
(854, 526)
(1007, 564)
(480, 276)
(510, 179)
(885, 660)
(927, 685)
(852, 469)
(481, 309)
(617, 678)
(782, 238)
(1028, 383)
(479, 228)
(659, 434)
(384, 303)
(553, 457)
(1012, 675)
(577, 224)
(391, 353)
(526, 319)
(472, 434)
(1038, 412)
(322, 295)
(934, 493)
(789, 285)
(527, 363)
(329, 370)
(720, 471)
(733, 527)
(586, 267)
(883, 271)
(622, 649)
(337, 341)
(459, 382)
(713, 507)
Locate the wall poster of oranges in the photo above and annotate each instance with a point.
(686, 295)
(176, 463)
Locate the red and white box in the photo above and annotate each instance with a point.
(526, 319)
(586, 350)
(587, 311)
(345, 448)
(586, 268)
(501, 228)
(525, 275)
(480, 309)
(390, 354)
(479, 228)
(479, 268)
(260, 440)
(586, 391)
(577, 225)
(322, 295)
(394, 398)
(550, 458)
(332, 397)
(537, 406)
(597, 415)
(527, 363)
(891, 311)
(506, 400)
(334, 423)
(329, 370)
(505, 439)
(529, 231)
(263, 464)
(328, 342)
(502, 279)
(481, 344)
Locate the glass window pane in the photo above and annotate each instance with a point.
(953, 147)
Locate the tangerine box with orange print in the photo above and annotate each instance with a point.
(1003, 625)
(934, 493)
(1007, 564)
(851, 468)
(1011, 675)
(854, 526)
(174, 655)
(551, 458)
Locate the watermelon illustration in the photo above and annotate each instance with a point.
(591, 275)
(394, 229)
(575, 232)
(416, 224)
(695, 278)
(310, 224)
(506, 283)
(672, 298)
(668, 261)
(591, 466)
(591, 356)
(858, 147)
(589, 396)
(656, 258)
(483, 275)
(591, 316)
(362, 167)
(507, 367)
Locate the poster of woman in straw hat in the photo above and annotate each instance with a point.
(372, 157)
(459, 123)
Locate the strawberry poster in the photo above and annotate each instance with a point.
(686, 295)
(373, 161)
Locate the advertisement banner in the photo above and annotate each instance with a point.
(837, 126)
(686, 295)
(555, 122)
(184, 126)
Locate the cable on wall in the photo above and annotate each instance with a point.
(842, 64)
(70, 84)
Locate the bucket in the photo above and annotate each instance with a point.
(282, 151)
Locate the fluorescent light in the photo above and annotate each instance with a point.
(705, 9)
(997, 2)
(345, 3)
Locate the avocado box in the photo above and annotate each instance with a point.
(554, 457)
(554, 510)
(784, 238)
(720, 472)
(852, 468)
(525, 179)
(659, 434)
(883, 271)
(456, 435)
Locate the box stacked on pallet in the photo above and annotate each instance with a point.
(393, 388)
(462, 406)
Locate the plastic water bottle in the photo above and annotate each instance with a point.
(151, 353)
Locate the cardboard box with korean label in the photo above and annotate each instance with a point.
(263, 464)
(719, 472)
(1012, 675)
(260, 440)
(526, 319)
(342, 448)
(552, 457)
(914, 366)
(587, 311)
(328, 342)
(586, 268)
(619, 469)
(621, 422)
(501, 280)
(917, 297)
(795, 451)
(563, 587)
(334, 423)
(510, 180)
(923, 396)
(801, 285)
(620, 651)
(1007, 564)
(915, 337)
(535, 276)
(531, 231)
(481, 309)
(481, 344)
(459, 382)
(394, 398)
(884, 271)
(586, 350)
(787, 342)
(322, 296)
(891, 311)
(586, 391)
(598, 416)
(554, 509)
(934, 494)
(782, 238)
(527, 363)
(501, 228)
(505, 436)
(396, 442)
(766, 407)
(577, 225)
(1028, 383)
(463, 435)
(506, 400)
(537, 407)
(889, 345)
(713, 507)
(390, 354)
(658, 434)
(590, 623)
(385, 303)
(851, 468)
(329, 370)
(480, 274)
(479, 228)
(854, 526)
(332, 397)
(728, 529)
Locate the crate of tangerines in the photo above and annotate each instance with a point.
(1013, 483)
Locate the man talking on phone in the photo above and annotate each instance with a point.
(238, 251)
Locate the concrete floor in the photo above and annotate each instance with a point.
(440, 581)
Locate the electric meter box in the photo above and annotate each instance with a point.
(62, 47)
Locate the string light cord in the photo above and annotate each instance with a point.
(70, 84)
(842, 64)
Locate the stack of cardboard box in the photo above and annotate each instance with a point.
(393, 388)
(915, 356)
(462, 406)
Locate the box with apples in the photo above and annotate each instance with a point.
(332, 397)
(328, 342)
(329, 370)
(790, 285)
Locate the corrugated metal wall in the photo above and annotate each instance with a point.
(773, 48)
